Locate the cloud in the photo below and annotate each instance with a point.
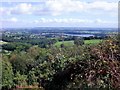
(62, 20)
(60, 7)
(4, 11)
(13, 19)
(73, 21)
(70, 11)
(59, 20)
(22, 8)
(10, 20)
(103, 5)
(100, 21)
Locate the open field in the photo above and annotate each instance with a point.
(94, 41)
(2, 42)
(71, 43)
(66, 43)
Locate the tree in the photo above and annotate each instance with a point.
(78, 41)
(21, 62)
(18, 63)
(9, 47)
(20, 80)
(62, 45)
(32, 79)
(7, 74)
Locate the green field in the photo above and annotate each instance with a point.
(66, 43)
(71, 43)
(2, 42)
(94, 41)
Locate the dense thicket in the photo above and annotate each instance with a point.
(81, 66)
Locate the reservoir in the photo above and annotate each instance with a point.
(80, 35)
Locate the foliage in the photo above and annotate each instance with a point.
(103, 67)
(59, 68)
(79, 41)
(7, 74)
(32, 79)
(16, 46)
(20, 80)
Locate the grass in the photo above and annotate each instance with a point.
(94, 41)
(66, 43)
(2, 42)
(71, 43)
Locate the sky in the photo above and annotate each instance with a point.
(59, 13)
